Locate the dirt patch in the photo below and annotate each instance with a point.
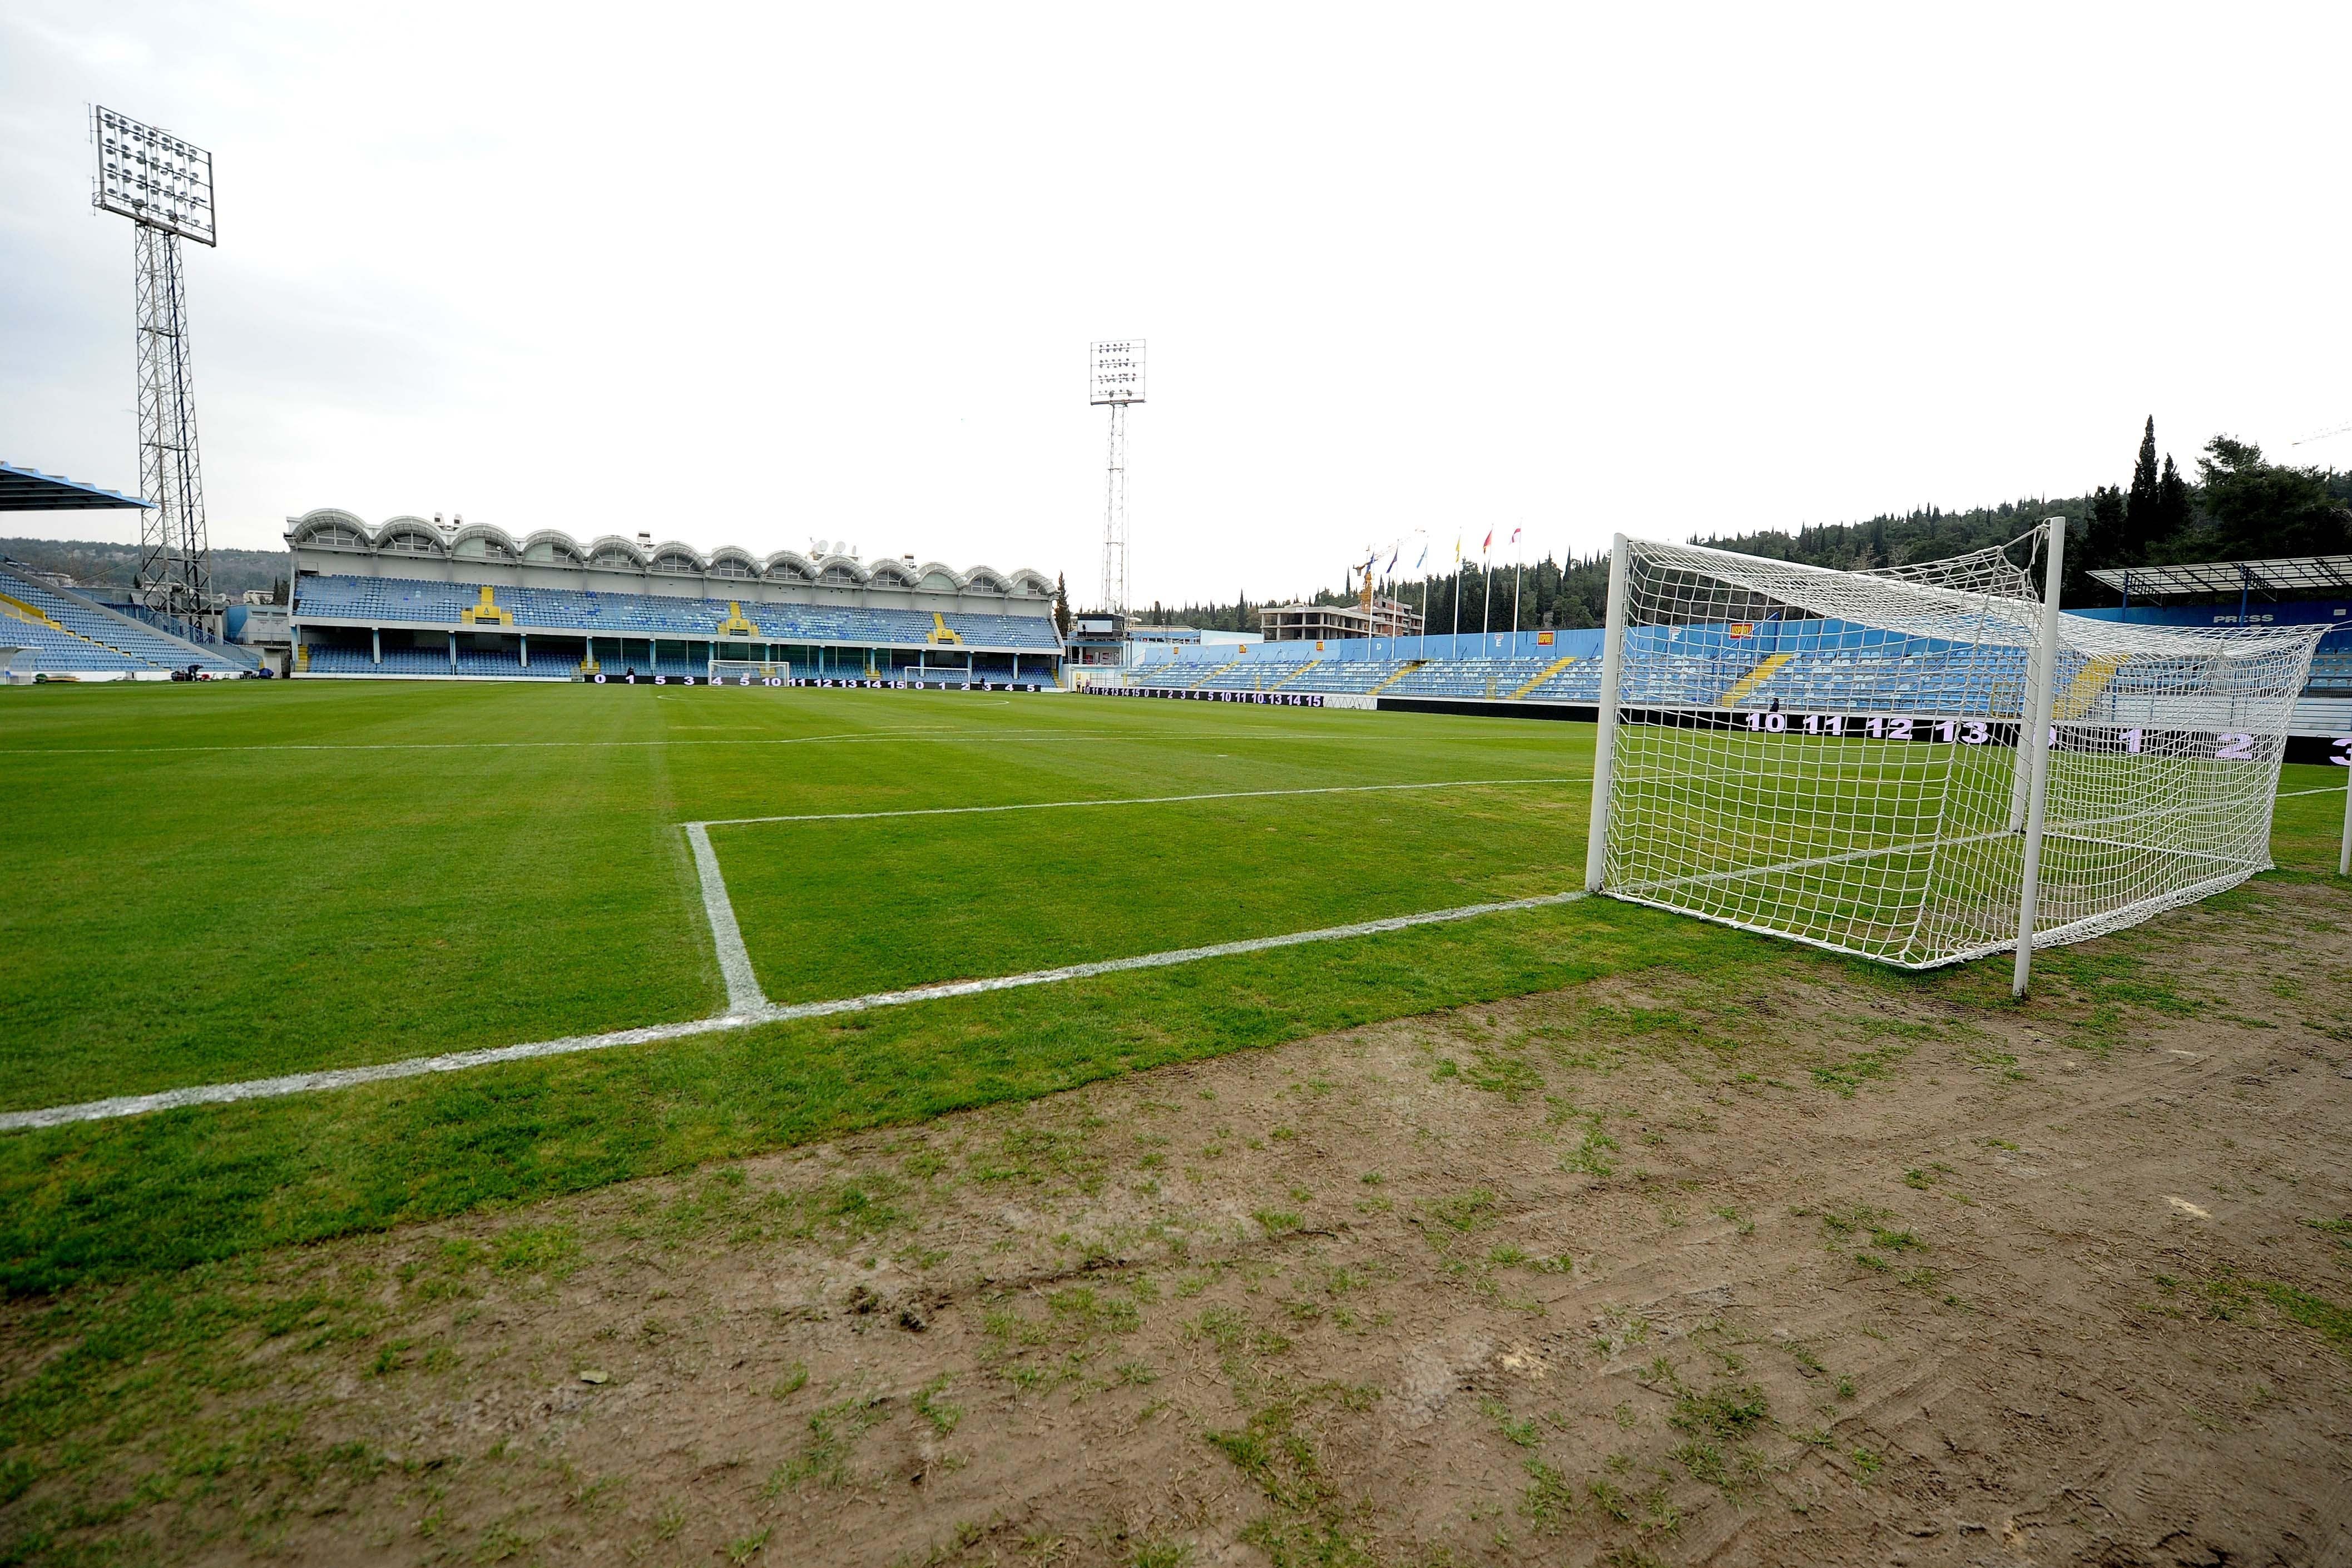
(1633, 1272)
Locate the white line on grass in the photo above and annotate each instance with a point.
(1139, 800)
(930, 733)
(350, 1077)
(416, 1067)
(743, 994)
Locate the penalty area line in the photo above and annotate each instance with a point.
(1139, 800)
(459, 1062)
(930, 732)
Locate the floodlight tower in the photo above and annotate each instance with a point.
(164, 184)
(1116, 379)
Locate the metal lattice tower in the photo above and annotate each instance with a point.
(1114, 578)
(163, 184)
(1114, 380)
(174, 554)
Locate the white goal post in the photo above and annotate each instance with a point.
(748, 672)
(1835, 756)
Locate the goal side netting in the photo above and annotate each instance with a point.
(1836, 757)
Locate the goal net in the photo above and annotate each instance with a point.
(1835, 756)
(748, 672)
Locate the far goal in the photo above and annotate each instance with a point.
(748, 673)
(1924, 765)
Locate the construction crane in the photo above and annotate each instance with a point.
(2322, 434)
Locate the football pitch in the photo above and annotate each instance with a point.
(227, 883)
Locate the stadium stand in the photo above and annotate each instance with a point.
(1801, 666)
(56, 649)
(614, 605)
(387, 601)
(1489, 679)
(1346, 675)
(233, 653)
(1575, 681)
(71, 634)
(330, 659)
(2331, 675)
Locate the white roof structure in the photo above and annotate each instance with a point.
(331, 529)
(2290, 574)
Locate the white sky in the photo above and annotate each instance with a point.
(766, 273)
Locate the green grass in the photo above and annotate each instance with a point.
(944, 898)
(228, 882)
(201, 892)
(231, 881)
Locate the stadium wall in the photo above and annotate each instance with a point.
(2333, 613)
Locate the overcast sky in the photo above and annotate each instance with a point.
(766, 274)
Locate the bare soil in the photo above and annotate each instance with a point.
(1633, 1272)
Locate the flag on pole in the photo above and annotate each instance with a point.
(1424, 556)
(1487, 544)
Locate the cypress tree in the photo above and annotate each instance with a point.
(2171, 506)
(2109, 543)
(2140, 511)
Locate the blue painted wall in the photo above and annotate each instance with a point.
(2335, 613)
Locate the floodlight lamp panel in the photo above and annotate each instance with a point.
(1114, 372)
(149, 175)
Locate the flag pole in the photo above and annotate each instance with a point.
(1517, 566)
(1457, 594)
(1425, 602)
(1486, 604)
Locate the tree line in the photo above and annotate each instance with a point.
(94, 564)
(1546, 592)
(2239, 506)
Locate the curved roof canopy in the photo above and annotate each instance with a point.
(411, 535)
(330, 528)
(551, 545)
(483, 541)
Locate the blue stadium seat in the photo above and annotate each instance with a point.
(99, 642)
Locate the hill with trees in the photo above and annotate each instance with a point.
(94, 564)
(2241, 505)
